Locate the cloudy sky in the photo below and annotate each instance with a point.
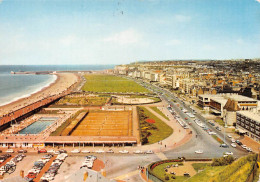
(123, 31)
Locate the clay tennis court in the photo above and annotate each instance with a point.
(105, 123)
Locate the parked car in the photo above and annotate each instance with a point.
(149, 152)
(233, 145)
(229, 153)
(99, 151)
(229, 136)
(233, 140)
(249, 149)
(75, 151)
(9, 151)
(238, 142)
(224, 145)
(42, 151)
(138, 152)
(110, 151)
(244, 146)
(218, 128)
(85, 151)
(22, 151)
(51, 151)
(123, 151)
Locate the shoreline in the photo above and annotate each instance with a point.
(51, 89)
(36, 90)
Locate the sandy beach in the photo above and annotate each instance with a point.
(63, 81)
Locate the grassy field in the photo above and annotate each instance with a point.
(110, 83)
(154, 132)
(200, 166)
(82, 101)
(205, 175)
(159, 112)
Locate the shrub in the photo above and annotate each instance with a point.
(167, 178)
(223, 161)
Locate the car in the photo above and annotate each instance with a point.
(244, 146)
(22, 151)
(9, 151)
(224, 145)
(75, 151)
(149, 152)
(62, 151)
(110, 151)
(238, 142)
(51, 151)
(233, 140)
(229, 136)
(199, 151)
(42, 151)
(228, 153)
(99, 151)
(85, 151)
(233, 145)
(249, 149)
(57, 152)
(123, 151)
(138, 152)
(218, 128)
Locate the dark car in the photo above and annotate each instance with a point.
(238, 142)
(224, 145)
(22, 151)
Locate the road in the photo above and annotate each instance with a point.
(203, 141)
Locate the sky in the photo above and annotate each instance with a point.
(123, 31)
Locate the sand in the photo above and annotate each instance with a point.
(63, 81)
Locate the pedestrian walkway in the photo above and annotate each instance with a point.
(127, 175)
(161, 156)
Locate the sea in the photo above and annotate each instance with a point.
(16, 86)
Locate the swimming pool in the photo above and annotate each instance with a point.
(38, 126)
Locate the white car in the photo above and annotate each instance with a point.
(85, 151)
(75, 151)
(233, 140)
(228, 153)
(49, 178)
(229, 136)
(99, 151)
(149, 152)
(233, 145)
(249, 149)
(9, 151)
(123, 151)
(199, 151)
(51, 151)
(244, 146)
(211, 133)
(138, 152)
(56, 152)
(110, 151)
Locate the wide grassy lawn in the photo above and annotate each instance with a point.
(156, 131)
(110, 83)
(205, 175)
(159, 112)
(220, 122)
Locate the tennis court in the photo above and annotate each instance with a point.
(105, 123)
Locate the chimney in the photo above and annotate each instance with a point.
(22, 173)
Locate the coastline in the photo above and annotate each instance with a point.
(36, 90)
(61, 83)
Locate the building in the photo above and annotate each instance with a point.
(248, 122)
